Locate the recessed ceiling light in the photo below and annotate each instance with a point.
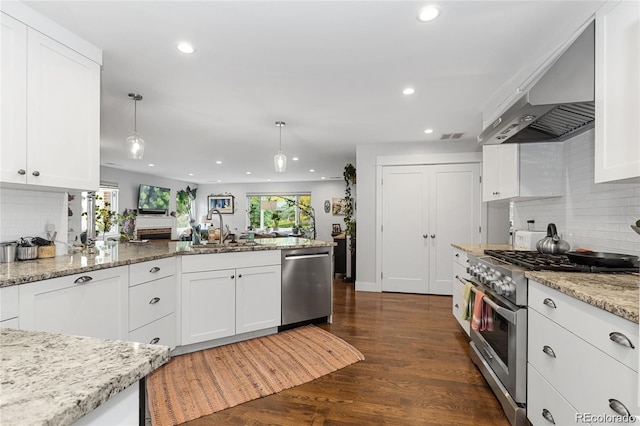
(323, 178)
(409, 91)
(295, 158)
(268, 180)
(219, 180)
(248, 173)
(311, 170)
(218, 162)
(185, 47)
(427, 131)
(151, 165)
(428, 13)
(190, 174)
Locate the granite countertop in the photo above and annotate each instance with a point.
(56, 379)
(109, 256)
(614, 293)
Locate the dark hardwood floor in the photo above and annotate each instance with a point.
(417, 371)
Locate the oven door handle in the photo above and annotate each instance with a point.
(504, 313)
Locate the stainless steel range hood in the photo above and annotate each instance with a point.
(557, 107)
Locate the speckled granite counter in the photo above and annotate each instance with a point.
(56, 379)
(124, 254)
(613, 293)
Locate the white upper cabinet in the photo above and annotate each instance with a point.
(520, 171)
(617, 129)
(50, 111)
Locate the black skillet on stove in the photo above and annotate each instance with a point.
(606, 260)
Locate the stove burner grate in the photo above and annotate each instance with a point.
(535, 261)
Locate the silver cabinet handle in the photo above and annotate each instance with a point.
(621, 339)
(36, 173)
(433, 235)
(22, 172)
(425, 236)
(456, 306)
(83, 279)
(154, 300)
(550, 303)
(619, 407)
(547, 416)
(457, 254)
(154, 270)
(233, 276)
(547, 350)
(239, 275)
(154, 340)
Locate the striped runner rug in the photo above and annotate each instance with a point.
(200, 383)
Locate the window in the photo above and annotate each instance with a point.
(103, 196)
(279, 211)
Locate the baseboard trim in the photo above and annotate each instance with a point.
(367, 286)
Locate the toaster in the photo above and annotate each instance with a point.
(527, 240)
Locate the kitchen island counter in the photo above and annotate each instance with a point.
(57, 379)
(112, 255)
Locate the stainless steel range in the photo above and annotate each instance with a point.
(500, 352)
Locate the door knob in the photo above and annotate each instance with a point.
(22, 171)
(433, 235)
(36, 173)
(425, 236)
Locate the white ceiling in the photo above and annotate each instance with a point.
(332, 70)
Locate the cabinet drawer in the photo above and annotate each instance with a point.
(573, 361)
(543, 400)
(10, 323)
(460, 257)
(458, 306)
(590, 323)
(150, 301)
(9, 302)
(459, 271)
(161, 332)
(216, 261)
(147, 271)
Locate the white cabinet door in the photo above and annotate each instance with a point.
(258, 298)
(499, 172)
(208, 305)
(93, 304)
(63, 110)
(617, 128)
(405, 221)
(424, 210)
(13, 98)
(454, 216)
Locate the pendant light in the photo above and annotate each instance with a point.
(135, 144)
(280, 160)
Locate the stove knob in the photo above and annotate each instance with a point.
(497, 286)
(509, 289)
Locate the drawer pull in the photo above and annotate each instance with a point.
(547, 350)
(154, 300)
(550, 303)
(239, 275)
(456, 306)
(154, 340)
(83, 279)
(621, 339)
(154, 270)
(457, 254)
(233, 276)
(619, 407)
(547, 416)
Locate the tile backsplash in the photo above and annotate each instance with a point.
(589, 215)
(24, 213)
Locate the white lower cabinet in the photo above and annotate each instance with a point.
(460, 276)
(159, 332)
(568, 362)
(91, 304)
(548, 407)
(221, 302)
(9, 302)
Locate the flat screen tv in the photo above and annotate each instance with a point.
(153, 199)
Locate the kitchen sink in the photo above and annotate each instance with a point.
(225, 244)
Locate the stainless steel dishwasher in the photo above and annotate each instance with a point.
(306, 284)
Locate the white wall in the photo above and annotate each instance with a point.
(129, 184)
(366, 162)
(593, 216)
(320, 191)
(24, 213)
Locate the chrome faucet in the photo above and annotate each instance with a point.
(210, 216)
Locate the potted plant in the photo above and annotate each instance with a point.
(349, 175)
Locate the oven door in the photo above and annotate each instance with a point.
(504, 348)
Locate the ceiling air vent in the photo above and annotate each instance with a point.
(446, 136)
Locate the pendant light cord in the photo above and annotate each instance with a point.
(135, 115)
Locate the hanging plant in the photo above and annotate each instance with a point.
(349, 204)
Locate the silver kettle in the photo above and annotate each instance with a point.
(552, 244)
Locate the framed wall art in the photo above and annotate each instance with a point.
(224, 203)
(337, 206)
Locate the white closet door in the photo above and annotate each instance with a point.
(454, 217)
(405, 250)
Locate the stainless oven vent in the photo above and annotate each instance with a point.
(565, 119)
